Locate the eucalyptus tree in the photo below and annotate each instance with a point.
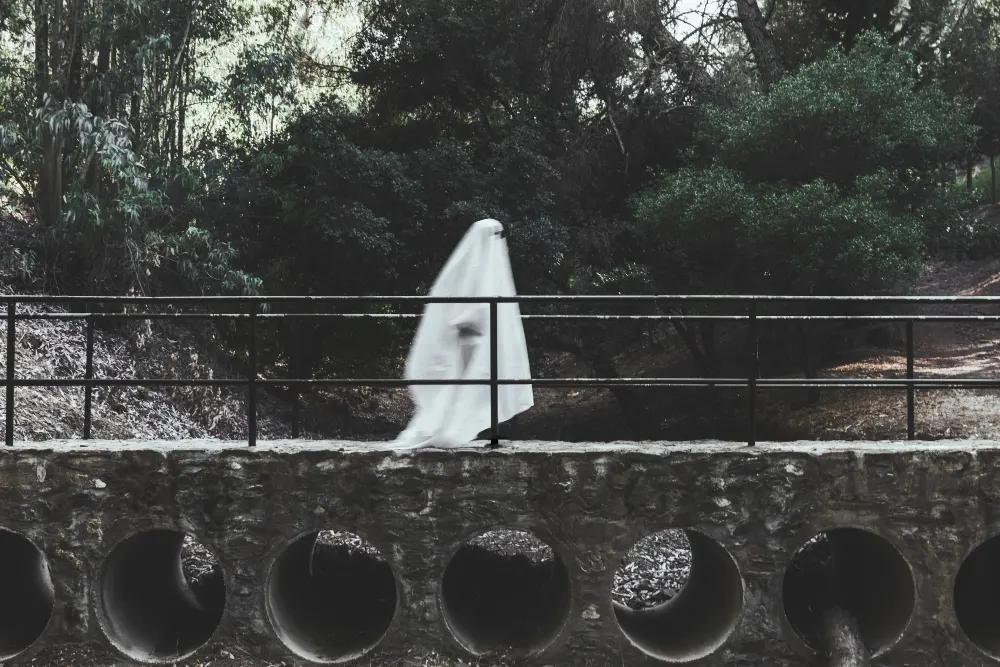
(97, 133)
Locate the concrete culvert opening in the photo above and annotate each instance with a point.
(161, 596)
(26, 591)
(977, 596)
(505, 592)
(858, 572)
(331, 596)
(700, 601)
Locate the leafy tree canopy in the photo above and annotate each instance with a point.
(830, 184)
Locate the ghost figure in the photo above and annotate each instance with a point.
(453, 342)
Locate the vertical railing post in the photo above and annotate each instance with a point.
(252, 380)
(754, 371)
(911, 431)
(11, 341)
(88, 374)
(494, 376)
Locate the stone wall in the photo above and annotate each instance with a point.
(91, 537)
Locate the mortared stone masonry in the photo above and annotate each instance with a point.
(91, 535)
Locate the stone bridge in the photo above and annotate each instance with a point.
(90, 537)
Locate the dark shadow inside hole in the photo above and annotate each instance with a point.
(498, 598)
(858, 571)
(700, 617)
(26, 591)
(977, 596)
(154, 606)
(330, 599)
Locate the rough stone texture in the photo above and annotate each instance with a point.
(591, 502)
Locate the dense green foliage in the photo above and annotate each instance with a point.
(810, 192)
(205, 146)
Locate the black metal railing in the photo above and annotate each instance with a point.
(254, 309)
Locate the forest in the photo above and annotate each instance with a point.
(342, 147)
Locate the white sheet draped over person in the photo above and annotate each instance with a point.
(453, 342)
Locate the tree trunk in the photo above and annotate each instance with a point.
(761, 41)
(707, 332)
(103, 65)
(51, 142)
(968, 175)
(808, 370)
(44, 191)
(74, 68)
(993, 179)
(41, 52)
(165, 93)
(666, 48)
(99, 105)
(105, 50)
(182, 109)
(844, 645)
(134, 116)
(630, 401)
(153, 111)
(50, 176)
(74, 74)
(689, 338)
(170, 138)
(115, 109)
(55, 45)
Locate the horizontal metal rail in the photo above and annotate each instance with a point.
(254, 310)
(554, 317)
(736, 383)
(520, 298)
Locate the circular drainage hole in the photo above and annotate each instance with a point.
(977, 596)
(505, 592)
(331, 596)
(161, 596)
(858, 571)
(678, 595)
(27, 591)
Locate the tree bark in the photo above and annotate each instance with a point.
(136, 108)
(55, 44)
(761, 41)
(73, 77)
(167, 93)
(50, 176)
(99, 103)
(993, 179)
(44, 186)
(74, 68)
(844, 644)
(968, 174)
(630, 401)
(669, 50)
(41, 52)
(707, 331)
(808, 370)
(115, 108)
(691, 340)
(153, 112)
(170, 142)
(51, 139)
(182, 109)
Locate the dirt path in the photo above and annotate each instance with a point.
(942, 350)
